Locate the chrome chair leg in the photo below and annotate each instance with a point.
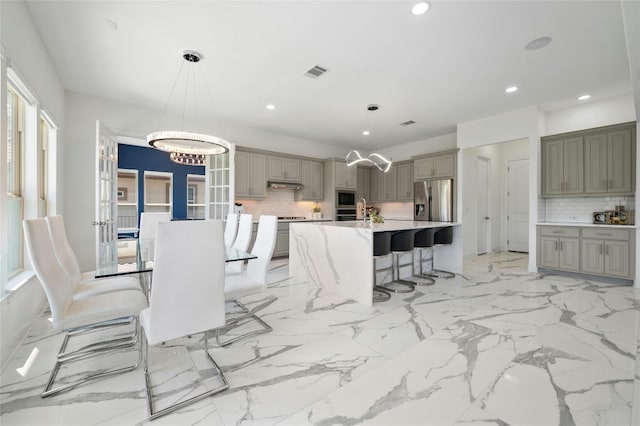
(48, 390)
(147, 378)
(437, 273)
(235, 321)
(429, 279)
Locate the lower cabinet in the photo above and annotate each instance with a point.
(282, 242)
(597, 251)
(560, 253)
(606, 252)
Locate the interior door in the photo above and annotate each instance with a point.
(518, 206)
(482, 203)
(106, 204)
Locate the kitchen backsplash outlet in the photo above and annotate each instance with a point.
(581, 209)
(279, 202)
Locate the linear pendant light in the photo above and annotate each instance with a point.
(354, 157)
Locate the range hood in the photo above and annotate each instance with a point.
(284, 185)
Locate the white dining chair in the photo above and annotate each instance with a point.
(185, 299)
(84, 285)
(242, 242)
(78, 317)
(252, 280)
(148, 223)
(230, 229)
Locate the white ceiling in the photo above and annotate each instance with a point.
(445, 67)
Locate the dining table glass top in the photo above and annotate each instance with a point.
(135, 256)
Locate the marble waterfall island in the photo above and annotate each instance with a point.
(338, 256)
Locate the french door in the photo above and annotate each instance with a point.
(106, 204)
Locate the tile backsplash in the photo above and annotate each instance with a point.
(278, 202)
(581, 209)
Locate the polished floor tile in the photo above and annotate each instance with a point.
(494, 346)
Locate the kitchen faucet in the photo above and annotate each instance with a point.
(364, 210)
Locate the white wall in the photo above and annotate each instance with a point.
(134, 121)
(25, 53)
(589, 115)
(425, 146)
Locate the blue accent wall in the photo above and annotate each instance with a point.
(141, 158)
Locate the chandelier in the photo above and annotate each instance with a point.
(379, 161)
(186, 147)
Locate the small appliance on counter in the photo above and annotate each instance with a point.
(619, 216)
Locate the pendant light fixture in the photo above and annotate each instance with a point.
(186, 147)
(354, 157)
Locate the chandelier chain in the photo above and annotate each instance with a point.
(166, 105)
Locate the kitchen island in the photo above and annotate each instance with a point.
(339, 255)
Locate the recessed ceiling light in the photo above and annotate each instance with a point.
(584, 97)
(511, 89)
(538, 43)
(420, 8)
(366, 133)
(271, 107)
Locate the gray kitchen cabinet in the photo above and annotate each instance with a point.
(282, 241)
(563, 166)
(591, 250)
(609, 162)
(346, 176)
(364, 183)
(606, 252)
(251, 177)
(283, 169)
(312, 179)
(559, 248)
(405, 182)
(384, 185)
(435, 166)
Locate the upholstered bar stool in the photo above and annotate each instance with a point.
(381, 248)
(424, 239)
(401, 242)
(443, 236)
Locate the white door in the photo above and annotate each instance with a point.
(106, 207)
(482, 180)
(518, 206)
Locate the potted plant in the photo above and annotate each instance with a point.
(317, 214)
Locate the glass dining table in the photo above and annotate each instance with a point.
(135, 257)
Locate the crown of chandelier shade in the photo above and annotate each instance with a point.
(188, 159)
(192, 146)
(379, 161)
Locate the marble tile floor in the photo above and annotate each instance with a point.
(495, 346)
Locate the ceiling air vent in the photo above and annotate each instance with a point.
(316, 71)
(408, 123)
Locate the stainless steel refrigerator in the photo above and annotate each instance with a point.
(433, 200)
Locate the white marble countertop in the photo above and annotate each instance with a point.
(388, 225)
(585, 225)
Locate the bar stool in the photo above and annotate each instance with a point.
(424, 239)
(443, 236)
(401, 242)
(381, 248)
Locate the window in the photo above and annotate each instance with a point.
(195, 196)
(15, 138)
(219, 176)
(28, 151)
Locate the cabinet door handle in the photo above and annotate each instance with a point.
(560, 245)
(607, 250)
(600, 249)
(603, 233)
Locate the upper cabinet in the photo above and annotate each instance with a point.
(283, 169)
(563, 166)
(251, 176)
(609, 162)
(441, 165)
(590, 162)
(405, 182)
(311, 179)
(364, 183)
(346, 177)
